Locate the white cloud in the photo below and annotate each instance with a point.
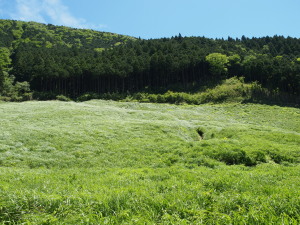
(49, 11)
(1, 11)
(28, 10)
(60, 14)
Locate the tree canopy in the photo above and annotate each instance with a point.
(71, 61)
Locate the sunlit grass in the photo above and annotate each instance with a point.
(105, 162)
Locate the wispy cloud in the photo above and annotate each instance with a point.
(28, 10)
(1, 8)
(49, 11)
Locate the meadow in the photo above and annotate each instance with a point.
(107, 162)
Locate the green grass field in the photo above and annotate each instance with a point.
(105, 162)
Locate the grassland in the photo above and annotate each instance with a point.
(105, 162)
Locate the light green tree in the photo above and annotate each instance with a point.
(5, 60)
(9, 89)
(218, 64)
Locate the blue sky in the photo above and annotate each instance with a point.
(164, 18)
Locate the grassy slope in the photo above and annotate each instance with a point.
(109, 162)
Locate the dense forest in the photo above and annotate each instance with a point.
(61, 60)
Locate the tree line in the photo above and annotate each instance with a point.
(72, 61)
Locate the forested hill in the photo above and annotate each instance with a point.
(14, 33)
(61, 60)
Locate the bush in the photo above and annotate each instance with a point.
(258, 157)
(87, 96)
(152, 98)
(233, 90)
(231, 156)
(10, 91)
(63, 98)
(280, 157)
(19, 92)
(161, 99)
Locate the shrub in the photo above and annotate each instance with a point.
(233, 89)
(279, 157)
(11, 91)
(231, 156)
(258, 157)
(63, 98)
(87, 96)
(161, 98)
(152, 98)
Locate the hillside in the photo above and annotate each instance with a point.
(13, 33)
(105, 162)
(54, 60)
